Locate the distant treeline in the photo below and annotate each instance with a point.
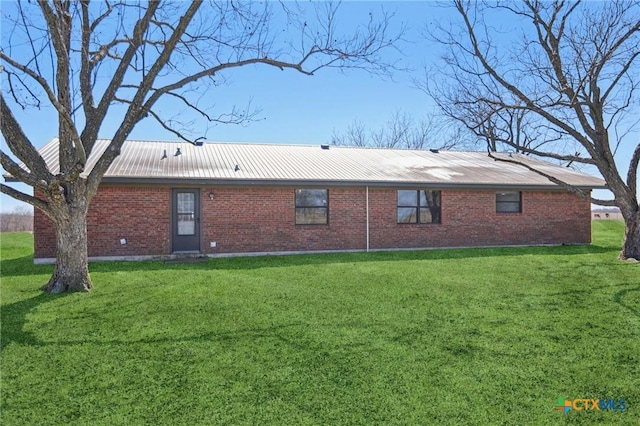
(18, 220)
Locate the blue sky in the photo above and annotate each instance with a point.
(300, 109)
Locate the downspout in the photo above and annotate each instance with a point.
(367, 192)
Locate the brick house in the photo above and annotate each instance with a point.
(160, 199)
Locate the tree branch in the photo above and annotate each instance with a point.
(19, 173)
(213, 70)
(557, 181)
(159, 43)
(513, 89)
(39, 79)
(632, 174)
(136, 111)
(59, 27)
(86, 91)
(90, 132)
(20, 145)
(36, 202)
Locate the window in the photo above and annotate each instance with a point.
(186, 213)
(418, 206)
(312, 206)
(509, 202)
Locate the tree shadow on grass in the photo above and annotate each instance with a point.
(277, 261)
(24, 265)
(13, 319)
(619, 298)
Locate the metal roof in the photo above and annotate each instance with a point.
(238, 163)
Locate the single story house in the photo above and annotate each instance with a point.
(160, 199)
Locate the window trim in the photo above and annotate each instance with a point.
(299, 206)
(418, 207)
(509, 203)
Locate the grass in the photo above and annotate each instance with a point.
(477, 336)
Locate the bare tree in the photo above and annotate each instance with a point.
(83, 57)
(401, 132)
(20, 219)
(567, 90)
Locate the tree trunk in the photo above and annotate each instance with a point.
(631, 243)
(71, 272)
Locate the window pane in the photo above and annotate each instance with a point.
(186, 202)
(186, 224)
(186, 213)
(407, 198)
(407, 215)
(312, 206)
(423, 199)
(508, 196)
(430, 199)
(508, 202)
(427, 206)
(508, 207)
(425, 216)
(311, 197)
(311, 216)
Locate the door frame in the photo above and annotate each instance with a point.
(196, 245)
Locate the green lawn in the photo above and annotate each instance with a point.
(478, 336)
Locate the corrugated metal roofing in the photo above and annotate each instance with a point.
(144, 161)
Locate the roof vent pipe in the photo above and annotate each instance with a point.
(164, 155)
(435, 151)
(324, 146)
(178, 152)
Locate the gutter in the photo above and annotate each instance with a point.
(325, 183)
(367, 204)
(339, 183)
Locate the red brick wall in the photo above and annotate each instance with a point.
(44, 240)
(469, 218)
(139, 214)
(262, 219)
